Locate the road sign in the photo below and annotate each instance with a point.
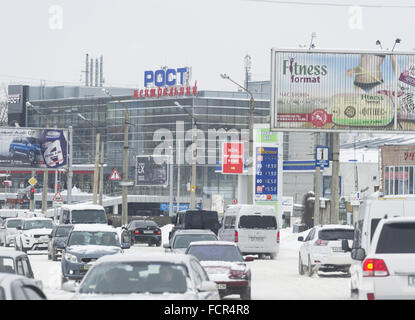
(322, 156)
(115, 175)
(232, 158)
(355, 198)
(32, 181)
(57, 197)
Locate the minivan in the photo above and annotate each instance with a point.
(254, 228)
(82, 213)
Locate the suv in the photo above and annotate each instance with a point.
(8, 231)
(33, 234)
(57, 240)
(28, 147)
(195, 219)
(386, 270)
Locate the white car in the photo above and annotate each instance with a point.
(33, 234)
(17, 287)
(387, 270)
(8, 231)
(322, 249)
(164, 276)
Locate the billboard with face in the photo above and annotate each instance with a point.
(33, 148)
(342, 91)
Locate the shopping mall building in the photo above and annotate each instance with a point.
(156, 119)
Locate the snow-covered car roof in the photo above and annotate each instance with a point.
(399, 220)
(335, 226)
(35, 218)
(213, 243)
(93, 227)
(177, 258)
(11, 253)
(82, 206)
(194, 231)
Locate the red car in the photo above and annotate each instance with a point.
(224, 265)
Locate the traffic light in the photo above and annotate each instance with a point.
(32, 193)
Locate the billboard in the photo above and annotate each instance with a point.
(233, 158)
(266, 176)
(149, 172)
(340, 91)
(33, 148)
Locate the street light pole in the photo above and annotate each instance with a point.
(124, 218)
(250, 188)
(101, 173)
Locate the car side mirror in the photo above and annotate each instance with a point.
(300, 238)
(345, 245)
(166, 246)
(125, 245)
(208, 286)
(358, 254)
(249, 258)
(110, 222)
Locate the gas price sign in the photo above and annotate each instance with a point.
(266, 178)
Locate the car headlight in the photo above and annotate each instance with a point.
(71, 257)
(28, 235)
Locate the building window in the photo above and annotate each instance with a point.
(399, 180)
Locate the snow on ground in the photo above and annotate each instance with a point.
(271, 279)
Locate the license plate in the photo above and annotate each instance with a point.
(256, 238)
(148, 231)
(411, 280)
(221, 286)
(86, 267)
(337, 249)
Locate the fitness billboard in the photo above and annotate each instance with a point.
(33, 148)
(342, 91)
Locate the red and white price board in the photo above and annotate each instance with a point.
(233, 158)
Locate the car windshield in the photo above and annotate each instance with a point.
(258, 222)
(99, 238)
(6, 265)
(144, 224)
(135, 277)
(336, 234)
(13, 223)
(89, 216)
(38, 224)
(63, 231)
(183, 240)
(216, 253)
(397, 238)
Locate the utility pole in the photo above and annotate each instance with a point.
(178, 176)
(317, 192)
(70, 172)
(101, 173)
(194, 158)
(45, 184)
(251, 152)
(171, 183)
(96, 171)
(124, 219)
(334, 208)
(32, 202)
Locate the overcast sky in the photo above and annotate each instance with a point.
(48, 39)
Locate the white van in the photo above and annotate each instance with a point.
(253, 227)
(82, 213)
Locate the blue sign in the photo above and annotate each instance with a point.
(322, 156)
(182, 207)
(162, 77)
(266, 178)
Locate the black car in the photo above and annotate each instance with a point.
(195, 219)
(144, 231)
(57, 240)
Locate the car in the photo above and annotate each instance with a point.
(195, 219)
(17, 262)
(33, 234)
(254, 228)
(144, 231)
(82, 213)
(182, 239)
(225, 265)
(321, 250)
(28, 147)
(8, 231)
(86, 243)
(57, 240)
(151, 276)
(387, 269)
(17, 287)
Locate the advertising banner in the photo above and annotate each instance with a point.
(150, 172)
(266, 178)
(342, 91)
(33, 148)
(233, 158)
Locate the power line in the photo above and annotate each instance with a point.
(327, 4)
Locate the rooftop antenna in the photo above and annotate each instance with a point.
(379, 44)
(313, 36)
(396, 41)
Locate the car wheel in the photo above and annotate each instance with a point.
(309, 267)
(158, 244)
(273, 256)
(354, 294)
(49, 257)
(31, 157)
(54, 256)
(300, 265)
(246, 294)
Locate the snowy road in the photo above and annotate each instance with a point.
(271, 279)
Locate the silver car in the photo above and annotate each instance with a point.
(154, 276)
(17, 287)
(182, 238)
(8, 231)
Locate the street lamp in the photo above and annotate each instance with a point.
(194, 156)
(97, 163)
(251, 139)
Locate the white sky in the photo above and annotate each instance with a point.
(211, 36)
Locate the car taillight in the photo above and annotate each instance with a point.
(137, 231)
(375, 268)
(320, 242)
(370, 296)
(236, 236)
(278, 237)
(158, 232)
(238, 274)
